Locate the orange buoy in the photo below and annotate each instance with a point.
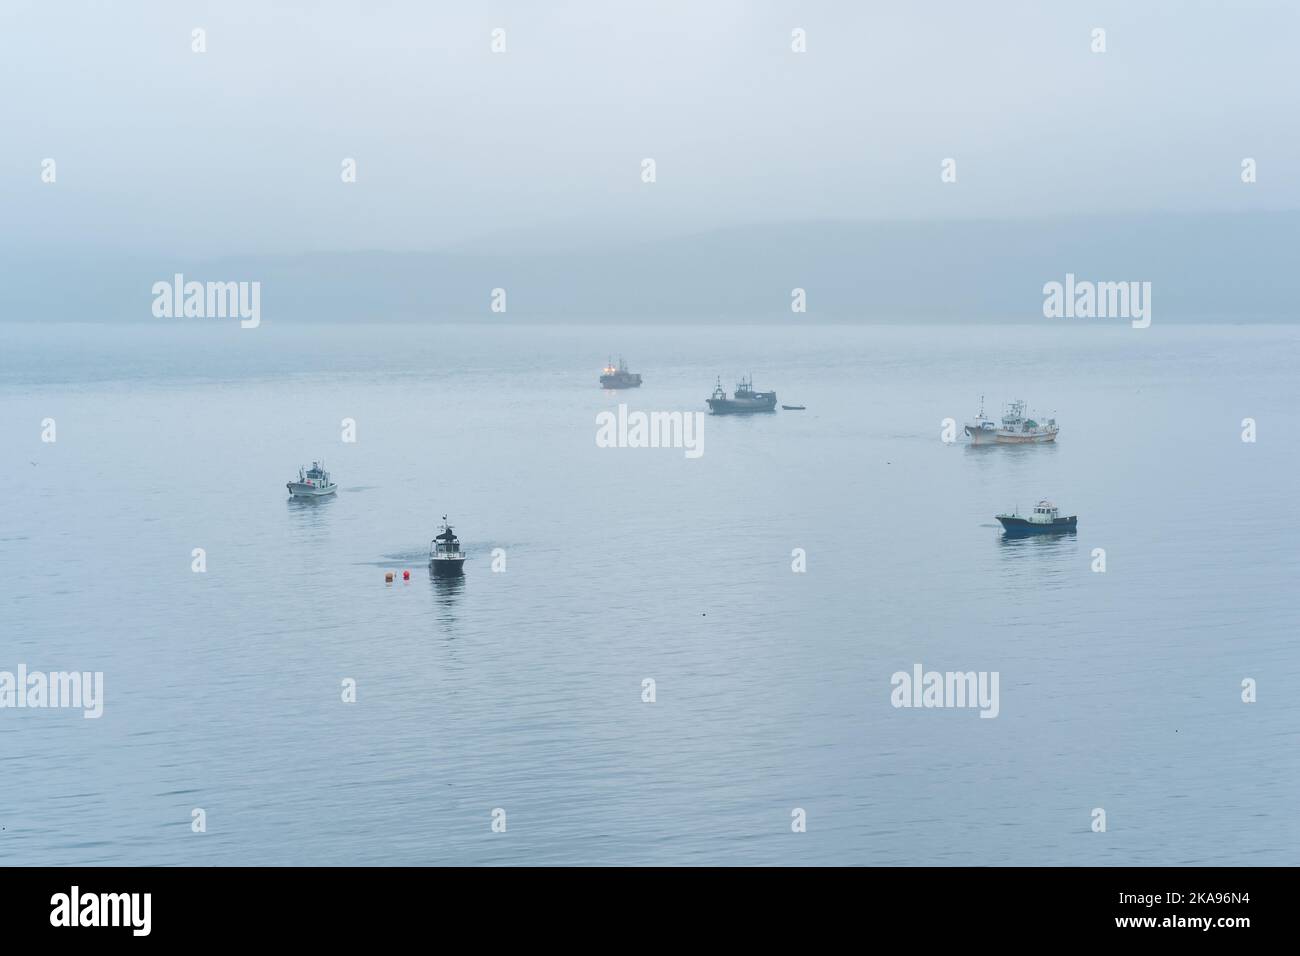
(388, 577)
(406, 575)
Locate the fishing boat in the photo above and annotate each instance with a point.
(620, 377)
(744, 402)
(1014, 429)
(445, 556)
(1045, 519)
(313, 482)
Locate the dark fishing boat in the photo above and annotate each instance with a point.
(619, 377)
(445, 556)
(1046, 519)
(744, 402)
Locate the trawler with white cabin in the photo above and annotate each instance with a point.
(1014, 429)
(313, 482)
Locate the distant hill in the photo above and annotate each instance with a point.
(1226, 267)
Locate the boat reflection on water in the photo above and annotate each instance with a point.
(309, 517)
(993, 452)
(1039, 562)
(311, 501)
(447, 591)
(445, 586)
(1049, 543)
(1049, 560)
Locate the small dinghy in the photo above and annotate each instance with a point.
(794, 408)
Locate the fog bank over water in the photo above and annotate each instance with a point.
(896, 160)
(1201, 268)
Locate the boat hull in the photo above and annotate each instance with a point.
(982, 437)
(729, 406)
(1017, 527)
(447, 567)
(299, 490)
(621, 380)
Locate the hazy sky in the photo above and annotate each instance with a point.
(239, 149)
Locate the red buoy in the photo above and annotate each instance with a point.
(406, 575)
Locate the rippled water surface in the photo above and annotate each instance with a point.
(522, 690)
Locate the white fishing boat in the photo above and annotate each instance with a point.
(313, 482)
(1014, 429)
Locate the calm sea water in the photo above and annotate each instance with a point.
(522, 690)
